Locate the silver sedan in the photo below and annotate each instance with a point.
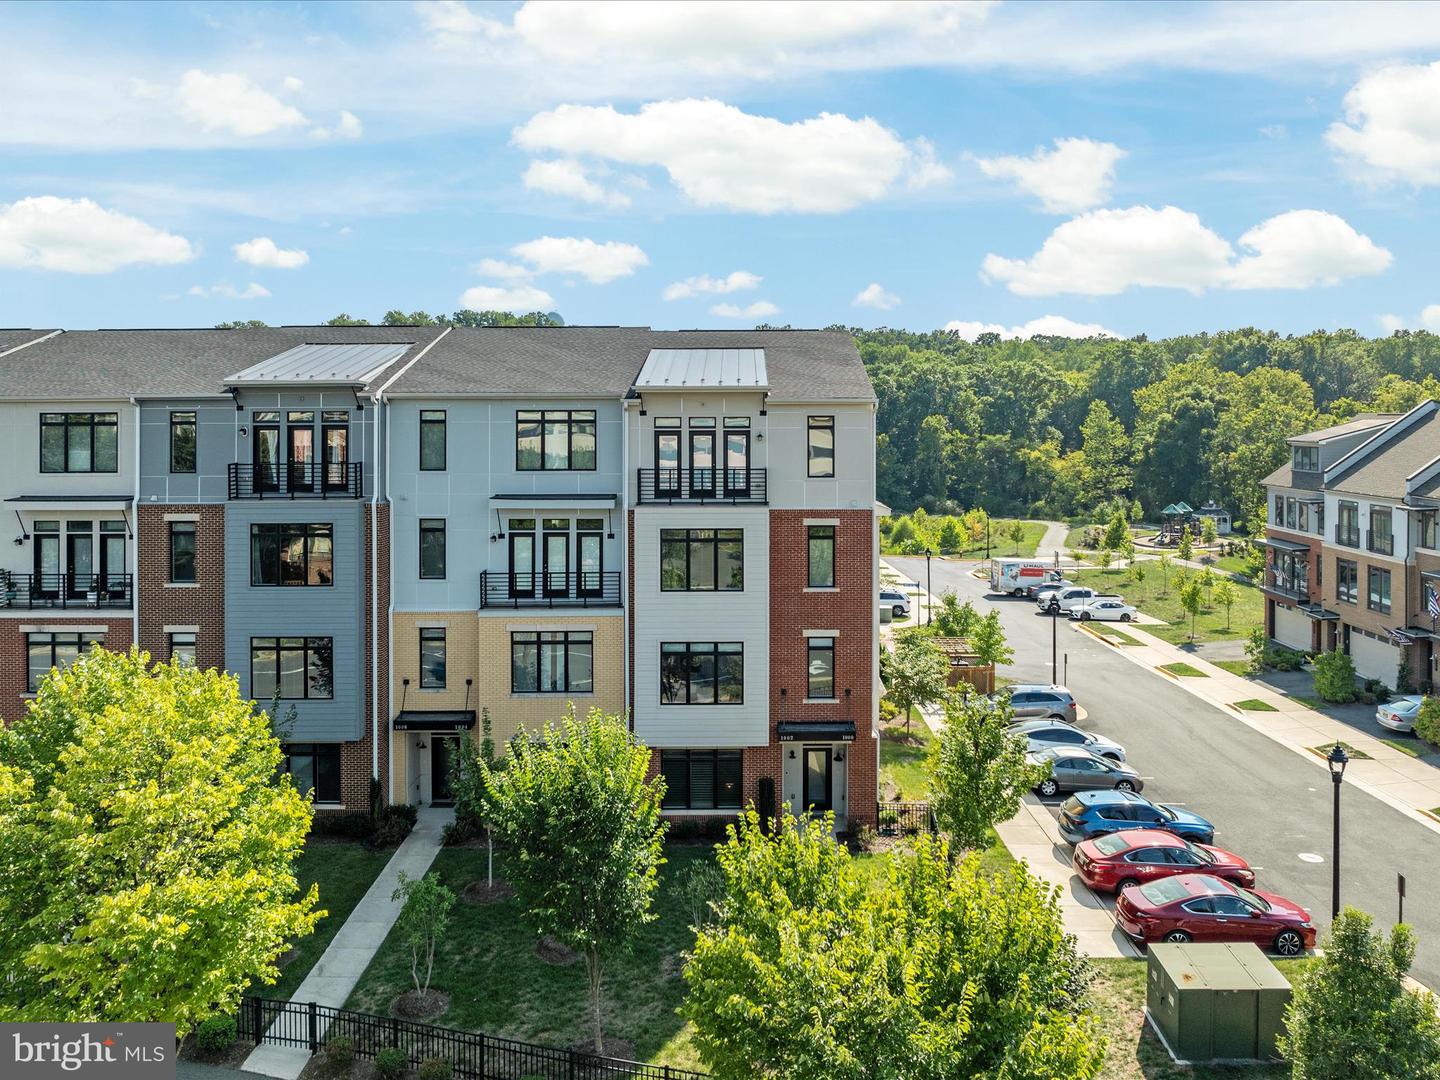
(1076, 769)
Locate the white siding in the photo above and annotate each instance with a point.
(1292, 628)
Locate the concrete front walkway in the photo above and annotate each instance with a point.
(350, 952)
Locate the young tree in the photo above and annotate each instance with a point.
(954, 619)
(423, 921)
(1186, 549)
(934, 973)
(1165, 563)
(949, 538)
(1138, 571)
(1016, 533)
(978, 770)
(1127, 551)
(1207, 580)
(1225, 595)
(916, 673)
(988, 641)
(1208, 533)
(1351, 1014)
(1116, 532)
(1192, 600)
(149, 841)
(585, 835)
(1335, 677)
(1105, 557)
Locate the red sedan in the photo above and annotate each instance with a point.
(1112, 862)
(1197, 907)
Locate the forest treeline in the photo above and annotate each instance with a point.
(1054, 427)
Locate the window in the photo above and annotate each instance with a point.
(552, 662)
(702, 673)
(706, 422)
(555, 439)
(1382, 535)
(182, 647)
(702, 560)
(432, 658)
(701, 779)
(820, 542)
(182, 442)
(315, 767)
(822, 445)
(292, 554)
(737, 421)
(432, 547)
(1427, 536)
(1306, 458)
(1278, 517)
(1347, 529)
(1302, 516)
(54, 651)
(1379, 599)
(820, 662)
(1347, 581)
(79, 443)
(432, 440)
(1290, 513)
(298, 667)
(182, 552)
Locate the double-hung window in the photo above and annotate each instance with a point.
(298, 667)
(702, 673)
(820, 663)
(432, 440)
(182, 647)
(432, 658)
(820, 446)
(1379, 593)
(292, 554)
(701, 779)
(552, 662)
(315, 767)
(182, 442)
(702, 560)
(1347, 581)
(182, 552)
(432, 547)
(555, 439)
(820, 556)
(79, 443)
(48, 651)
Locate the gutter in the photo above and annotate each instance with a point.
(134, 556)
(625, 558)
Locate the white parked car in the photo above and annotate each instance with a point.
(896, 601)
(1398, 714)
(1067, 599)
(1104, 609)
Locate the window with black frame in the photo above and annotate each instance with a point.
(555, 439)
(432, 440)
(182, 442)
(182, 647)
(820, 664)
(701, 779)
(702, 560)
(292, 554)
(300, 668)
(315, 767)
(1379, 590)
(820, 452)
(702, 673)
(79, 443)
(54, 650)
(820, 548)
(182, 552)
(552, 662)
(432, 548)
(432, 658)
(1347, 581)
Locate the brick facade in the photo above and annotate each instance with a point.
(165, 604)
(14, 656)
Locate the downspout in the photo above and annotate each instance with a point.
(133, 556)
(625, 557)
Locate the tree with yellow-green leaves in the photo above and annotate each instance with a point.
(149, 840)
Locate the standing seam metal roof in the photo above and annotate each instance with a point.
(703, 369)
(351, 363)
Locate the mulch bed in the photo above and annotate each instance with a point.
(478, 892)
(415, 1005)
(615, 1047)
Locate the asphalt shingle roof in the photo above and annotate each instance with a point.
(1382, 472)
(10, 339)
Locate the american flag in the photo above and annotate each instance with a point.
(1434, 604)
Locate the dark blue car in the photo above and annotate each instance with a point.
(1095, 813)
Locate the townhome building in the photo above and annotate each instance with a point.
(1352, 562)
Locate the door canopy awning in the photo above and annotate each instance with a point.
(439, 720)
(811, 731)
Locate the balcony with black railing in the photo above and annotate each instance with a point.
(1380, 543)
(1288, 586)
(303, 480)
(80, 591)
(547, 589)
(703, 486)
(1348, 535)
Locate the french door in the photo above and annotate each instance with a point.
(667, 463)
(589, 563)
(522, 564)
(79, 561)
(267, 457)
(335, 439)
(557, 563)
(302, 457)
(702, 463)
(737, 463)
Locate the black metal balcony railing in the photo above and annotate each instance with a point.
(310, 480)
(703, 485)
(1350, 537)
(66, 590)
(1381, 545)
(1293, 588)
(545, 589)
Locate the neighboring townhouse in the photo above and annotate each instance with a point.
(1372, 560)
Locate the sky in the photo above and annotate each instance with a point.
(1067, 168)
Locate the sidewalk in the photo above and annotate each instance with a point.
(349, 954)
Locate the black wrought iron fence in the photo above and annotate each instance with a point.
(906, 819)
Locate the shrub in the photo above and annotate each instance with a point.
(1427, 723)
(355, 826)
(1257, 649)
(1335, 677)
(702, 885)
(888, 711)
(1377, 690)
(214, 1036)
(436, 1069)
(338, 1056)
(1282, 658)
(390, 1063)
(393, 824)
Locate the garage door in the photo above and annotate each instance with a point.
(1374, 659)
(1292, 628)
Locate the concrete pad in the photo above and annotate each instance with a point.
(282, 1062)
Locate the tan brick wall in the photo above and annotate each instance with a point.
(462, 659)
(14, 657)
(163, 604)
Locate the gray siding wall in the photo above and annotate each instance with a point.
(336, 611)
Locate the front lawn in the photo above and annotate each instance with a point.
(1254, 705)
(1184, 671)
(1234, 667)
(902, 760)
(1159, 596)
(1001, 546)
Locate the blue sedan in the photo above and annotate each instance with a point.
(1095, 813)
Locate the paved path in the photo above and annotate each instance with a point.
(350, 952)
(1053, 542)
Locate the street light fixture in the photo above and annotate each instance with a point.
(929, 594)
(1337, 761)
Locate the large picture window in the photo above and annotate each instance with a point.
(1382, 536)
(315, 767)
(555, 439)
(182, 552)
(432, 658)
(1379, 598)
(1347, 581)
(79, 443)
(552, 662)
(432, 440)
(285, 554)
(432, 547)
(299, 667)
(701, 779)
(702, 673)
(48, 651)
(820, 545)
(821, 446)
(702, 560)
(820, 663)
(182, 442)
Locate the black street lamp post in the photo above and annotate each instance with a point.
(1337, 761)
(929, 596)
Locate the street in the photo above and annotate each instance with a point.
(1267, 803)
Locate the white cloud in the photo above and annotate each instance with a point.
(81, 237)
(518, 298)
(735, 281)
(596, 263)
(1428, 319)
(1275, 131)
(1392, 129)
(498, 268)
(758, 310)
(262, 251)
(226, 291)
(875, 296)
(347, 127)
(719, 155)
(1108, 251)
(566, 176)
(232, 103)
(1074, 176)
(1044, 326)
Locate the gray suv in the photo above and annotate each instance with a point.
(1041, 734)
(1034, 699)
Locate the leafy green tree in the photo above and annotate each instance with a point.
(1105, 556)
(1106, 449)
(149, 841)
(954, 619)
(346, 320)
(1351, 1014)
(1427, 721)
(242, 324)
(1208, 535)
(1016, 533)
(915, 673)
(1186, 548)
(1116, 532)
(1225, 595)
(423, 921)
(937, 972)
(1137, 571)
(978, 770)
(585, 836)
(1335, 677)
(988, 641)
(950, 536)
(1192, 600)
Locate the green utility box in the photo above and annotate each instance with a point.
(1215, 1002)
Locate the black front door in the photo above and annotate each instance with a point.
(818, 798)
(79, 562)
(443, 752)
(47, 564)
(588, 564)
(557, 563)
(302, 458)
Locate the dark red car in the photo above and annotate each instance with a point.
(1112, 862)
(1197, 907)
